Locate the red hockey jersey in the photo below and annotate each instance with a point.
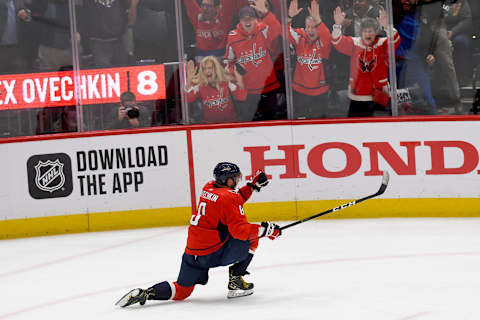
(252, 52)
(309, 77)
(368, 64)
(217, 103)
(219, 215)
(210, 35)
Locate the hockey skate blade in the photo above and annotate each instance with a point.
(239, 293)
(127, 299)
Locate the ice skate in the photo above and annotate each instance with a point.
(237, 287)
(134, 296)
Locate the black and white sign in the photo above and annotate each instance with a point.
(49, 176)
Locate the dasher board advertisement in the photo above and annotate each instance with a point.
(345, 161)
(95, 174)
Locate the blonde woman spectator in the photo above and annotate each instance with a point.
(210, 84)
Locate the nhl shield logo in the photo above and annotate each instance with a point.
(49, 175)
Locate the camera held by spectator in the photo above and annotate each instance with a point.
(129, 109)
(132, 112)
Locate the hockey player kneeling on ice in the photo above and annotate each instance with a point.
(219, 235)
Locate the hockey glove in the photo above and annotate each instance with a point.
(259, 180)
(270, 230)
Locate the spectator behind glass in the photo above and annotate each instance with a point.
(460, 29)
(353, 17)
(249, 47)
(128, 112)
(153, 24)
(424, 59)
(412, 56)
(211, 20)
(355, 12)
(57, 119)
(368, 87)
(106, 22)
(12, 14)
(325, 6)
(443, 75)
(55, 47)
(214, 88)
(312, 46)
(276, 47)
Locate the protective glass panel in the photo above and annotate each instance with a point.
(65, 65)
(437, 61)
(35, 54)
(358, 68)
(128, 75)
(234, 60)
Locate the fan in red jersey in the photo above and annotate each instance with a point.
(212, 20)
(312, 46)
(368, 87)
(214, 88)
(219, 235)
(249, 46)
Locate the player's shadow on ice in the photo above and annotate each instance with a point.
(250, 300)
(151, 304)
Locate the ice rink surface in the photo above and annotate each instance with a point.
(375, 269)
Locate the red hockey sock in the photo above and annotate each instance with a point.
(181, 293)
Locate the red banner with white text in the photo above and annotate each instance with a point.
(52, 89)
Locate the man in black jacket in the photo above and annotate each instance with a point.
(434, 35)
(460, 29)
(12, 13)
(51, 18)
(107, 22)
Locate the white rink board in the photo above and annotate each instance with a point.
(419, 185)
(212, 146)
(167, 185)
(164, 183)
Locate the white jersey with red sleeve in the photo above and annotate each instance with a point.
(309, 78)
(368, 63)
(217, 103)
(252, 52)
(220, 215)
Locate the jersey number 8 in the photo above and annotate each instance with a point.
(201, 212)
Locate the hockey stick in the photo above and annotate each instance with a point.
(383, 187)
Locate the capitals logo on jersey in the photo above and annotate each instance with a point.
(367, 66)
(253, 56)
(220, 103)
(311, 62)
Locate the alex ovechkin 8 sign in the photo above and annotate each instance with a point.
(51, 89)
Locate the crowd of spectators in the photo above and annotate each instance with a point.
(425, 57)
(350, 78)
(338, 53)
